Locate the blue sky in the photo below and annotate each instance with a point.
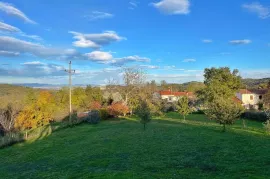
(173, 40)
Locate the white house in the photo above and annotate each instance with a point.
(172, 96)
(250, 98)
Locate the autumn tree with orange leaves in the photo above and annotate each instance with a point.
(37, 114)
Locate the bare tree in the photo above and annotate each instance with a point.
(8, 116)
(133, 79)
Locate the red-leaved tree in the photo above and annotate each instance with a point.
(118, 109)
(95, 105)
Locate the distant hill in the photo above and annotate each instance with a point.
(256, 83)
(13, 94)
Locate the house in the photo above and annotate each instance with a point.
(173, 96)
(251, 98)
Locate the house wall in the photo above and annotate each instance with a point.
(247, 100)
(170, 98)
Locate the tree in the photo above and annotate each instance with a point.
(95, 105)
(93, 94)
(183, 106)
(117, 109)
(267, 123)
(144, 113)
(266, 99)
(133, 80)
(225, 112)
(221, 86)
(79, 98)
(37, 114)
(8, 116)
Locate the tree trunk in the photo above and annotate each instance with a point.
(224, 127)
(184, 118)
(144, 126)
(244, 123)
(26, 135)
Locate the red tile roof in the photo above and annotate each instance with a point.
(176, 93)
(244, 91)
(235, 99)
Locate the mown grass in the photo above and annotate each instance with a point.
(169, 148)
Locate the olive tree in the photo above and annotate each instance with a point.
(143, 112)
(183, 107)
(225, 112)
(221, 84)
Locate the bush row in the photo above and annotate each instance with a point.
(255, 115)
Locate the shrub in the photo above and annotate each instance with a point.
(260, 106)
(255, 115)
(95, 105)
(169, 107)
(117, 109)
(10, 139)
(2, 130)
(103, 114)
(93, 117)
(144, 113)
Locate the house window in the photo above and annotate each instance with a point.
(170, 98)
(251, 97)
(260, 97)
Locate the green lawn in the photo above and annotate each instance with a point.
(169, 148)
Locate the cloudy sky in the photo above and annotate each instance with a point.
(173, 40)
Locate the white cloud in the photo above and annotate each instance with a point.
(207, 41)
(34, 37)
(8, 28)
(12, 44)
(173, 6)
(189, 60)
(11, 10)
(95, 40)
(95, 15)
(124, 60)
(34, 69)
(149, 66)
(99, 56)
(255, 7)
(240, 42)
(133, 5)
(9, 54)
(33, 63)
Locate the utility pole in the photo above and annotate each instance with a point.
(70, 72)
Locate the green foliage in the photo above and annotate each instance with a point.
(266, 99)
(183, 107)
(255, 115)
(143, 112)
(256, 83)
(93, 94)
(79, 98)
(224, 112)
(10, 139)
(221, 86)
(104, 114)
(194, 86)
(220, 83)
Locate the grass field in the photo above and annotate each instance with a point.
(169, 148)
